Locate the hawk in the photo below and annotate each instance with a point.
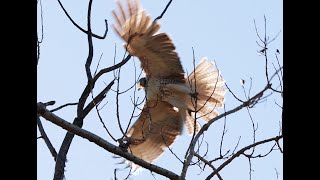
(172, 98)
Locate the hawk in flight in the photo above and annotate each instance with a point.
(172, 98)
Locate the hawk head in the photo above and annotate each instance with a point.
(142, 83)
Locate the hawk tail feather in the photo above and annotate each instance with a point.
(208, 86)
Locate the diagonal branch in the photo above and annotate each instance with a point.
(241, 151)
(205, 127)
(65, 105)
(208, 163)
(164, 11)
(78, 121)
(81, 29)
(41, 110)
(96, 100)
(46, 139)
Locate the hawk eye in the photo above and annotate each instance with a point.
(143, 82)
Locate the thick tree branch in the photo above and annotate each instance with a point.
(78, 121)
(41, 110)
(81, 29)
(241, 151)
(90, 44)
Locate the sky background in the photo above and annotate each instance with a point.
(222, 31)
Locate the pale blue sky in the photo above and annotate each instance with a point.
(222, 31)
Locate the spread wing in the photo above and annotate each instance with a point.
(155, 130)
(155, 50)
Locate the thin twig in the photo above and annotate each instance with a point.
(46, 139)
(100, 118)
(241, 151)
(117, 103)
(252, 100)
(60, 107)
(233, 93)
(97, 99)
(224, 131)
(207, 163)
(164, 11)
(95, 72)
(116, 66)
(39, 42)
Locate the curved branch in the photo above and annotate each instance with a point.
(247, 103)
(116, 66)
(41, 109)
(90, 54)
(241, 151)
(81, 29)
(164, 11)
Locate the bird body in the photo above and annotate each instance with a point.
(172, 98)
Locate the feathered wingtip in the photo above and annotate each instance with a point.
(137, 22)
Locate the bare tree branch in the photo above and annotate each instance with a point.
(99, 116)
(241, 151)
(164, 11)
(116, 66)
(101, 142)
(81, 29)
(208, 163)
(249, 102)
(39, 41)
(96, 100)
(90, 44)
(78, 121)
(46, 139)
(60, 107)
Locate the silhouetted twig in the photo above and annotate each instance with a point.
(60, 107)
(164, 11)
(80, 28)
(241, 151)
(46, 139)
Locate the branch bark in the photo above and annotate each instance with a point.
(73, 129)
(78, 121)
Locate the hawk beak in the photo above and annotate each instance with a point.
(139, 87)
